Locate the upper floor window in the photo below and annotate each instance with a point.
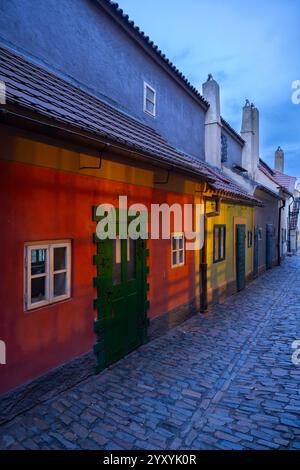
(149, 100)
(177, 249)
(219, 243)
(47, 273)
(223, 148)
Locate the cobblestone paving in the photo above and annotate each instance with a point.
(223, 380)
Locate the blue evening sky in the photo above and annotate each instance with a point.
(251, 47)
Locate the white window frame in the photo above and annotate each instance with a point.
(146, 85)
(177, 235)
(49, 273)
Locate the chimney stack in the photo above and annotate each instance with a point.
(250, 134)
(211, 92)
(279, 160)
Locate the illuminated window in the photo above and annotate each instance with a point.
(177, 249)
(47, 273)
(250, 238)
(219, 243)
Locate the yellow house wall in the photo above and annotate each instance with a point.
(221, 276)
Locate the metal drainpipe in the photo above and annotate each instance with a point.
(290, 223)
(203, 257)
(279, 231)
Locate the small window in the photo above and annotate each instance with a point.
(149, 100)
(177, 249)
(224, 146)
(219, 243)
(250, 238)
(47, 273)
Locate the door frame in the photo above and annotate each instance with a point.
(238, 221)
(101, 281)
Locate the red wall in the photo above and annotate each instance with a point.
(44, 204)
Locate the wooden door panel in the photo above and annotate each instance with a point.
(240, 256)
(121, 302)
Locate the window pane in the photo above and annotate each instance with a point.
(150, 107)
(150, 95)
(216, 244)
(60, 284)
(180, 242)
(38, 261)
(38, 289)
(116, 268)
(222, 239)
(174, 243)
(60, 258)
(131, 244)
(174, 258)
(180, 260)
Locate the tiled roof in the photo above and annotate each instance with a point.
(38, 91)
(267, 171)
(281, 179)
(42, 92)
(285, 181)
(225, 184)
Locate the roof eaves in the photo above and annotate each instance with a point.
(263, 188)
(265, 165)
(42, 123)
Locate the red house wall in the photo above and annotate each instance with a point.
(39, 204)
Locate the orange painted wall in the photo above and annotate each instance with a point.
(45, 204)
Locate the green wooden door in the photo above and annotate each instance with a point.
(269, 246)
(240, 256)
(121, 303)
(255, 253)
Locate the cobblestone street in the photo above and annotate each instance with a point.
(223, 380)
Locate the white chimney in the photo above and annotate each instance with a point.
(250, 134)
(211, 92)
(255, 115)
(279, 160)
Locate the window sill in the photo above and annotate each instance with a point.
(47, 305)
(177, 265)
(149, 114)
(219, 261)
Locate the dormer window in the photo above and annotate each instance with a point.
(149, 100)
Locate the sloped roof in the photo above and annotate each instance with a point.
(42, 92)
(224, 184)
(34, 89)
(267, 171)
(285, 181)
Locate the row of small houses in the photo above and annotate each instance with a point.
(68, 145)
